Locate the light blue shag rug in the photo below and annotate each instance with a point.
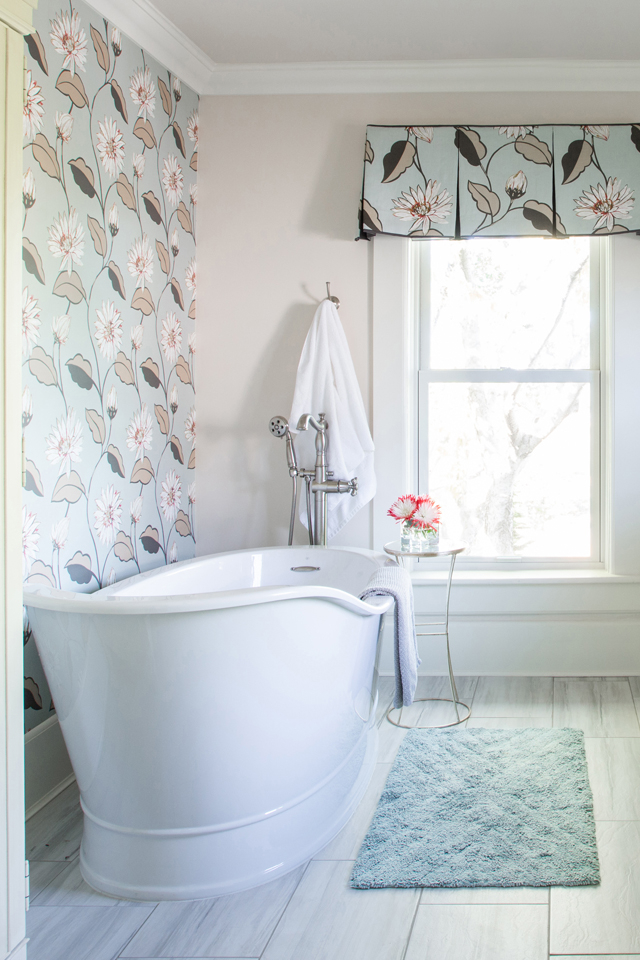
(483, 808)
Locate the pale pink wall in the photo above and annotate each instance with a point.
(279, 180)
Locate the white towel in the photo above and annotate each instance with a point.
(326, 383)
(393, 581)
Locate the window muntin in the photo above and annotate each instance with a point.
(509, 431)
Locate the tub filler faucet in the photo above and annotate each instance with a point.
(319, 482)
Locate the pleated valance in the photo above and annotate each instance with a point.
(461, 181)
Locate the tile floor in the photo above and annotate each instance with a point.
(312, 914)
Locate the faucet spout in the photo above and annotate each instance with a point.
(307, 418)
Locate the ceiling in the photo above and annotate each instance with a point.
(298, 31)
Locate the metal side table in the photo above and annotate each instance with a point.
(446, 548)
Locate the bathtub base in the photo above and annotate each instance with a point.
(189, 865)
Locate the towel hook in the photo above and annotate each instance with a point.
(333, 299)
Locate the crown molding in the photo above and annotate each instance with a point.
(147, 26)
(418, 76)
(17, 14)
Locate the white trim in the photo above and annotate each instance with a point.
(48, 797)
(506, 375)
(426, 375)
(19, 952)
(431, 575)
(47, 768)
(552, 644)
(393, 381)
(12, 866)
(421, 76)
(147, 26)
(531, 616)
(394, 408)
(41, 728)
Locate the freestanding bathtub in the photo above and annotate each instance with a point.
(219, 714)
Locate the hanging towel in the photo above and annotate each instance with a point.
(393, 581)
(326, 383)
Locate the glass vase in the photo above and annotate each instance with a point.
(405, 536)
(424, 539)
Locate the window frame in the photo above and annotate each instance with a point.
(420, 277)
(394, 301)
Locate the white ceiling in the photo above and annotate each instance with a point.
(298, 31)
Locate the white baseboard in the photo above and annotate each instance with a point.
(19, 952)
(566, 645)
(47, 768)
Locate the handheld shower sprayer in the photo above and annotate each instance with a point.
(279, 427)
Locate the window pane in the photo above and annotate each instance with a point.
(510, 466)
(521, 303)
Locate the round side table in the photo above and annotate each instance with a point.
(445, 548)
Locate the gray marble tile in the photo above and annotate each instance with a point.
(602, 919)
(233, 926)
(347, 844)
(81, 933)
(439, 687)
(602, 708)
(431, 714)
(434, 713)
(41, 873)
(479, 932)
(513, 697)
(386, 690)
(389, 739)
(614, 774)
(55, 832)
(482, 895)
(578, 679)
(634, 683)
(68, 889)
(328, 920)
(508, 723)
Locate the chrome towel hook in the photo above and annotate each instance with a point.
(333, 299)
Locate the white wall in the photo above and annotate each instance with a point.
(279, 181)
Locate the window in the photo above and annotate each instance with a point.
(509, 394)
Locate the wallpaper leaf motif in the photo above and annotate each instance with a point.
(463, 181)
(110, 197)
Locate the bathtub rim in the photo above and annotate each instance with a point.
(108, 601)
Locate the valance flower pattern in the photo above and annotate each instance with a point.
(458, 182)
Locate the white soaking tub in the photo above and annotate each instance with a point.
(219, 714)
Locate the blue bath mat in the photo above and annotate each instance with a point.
(483, 808)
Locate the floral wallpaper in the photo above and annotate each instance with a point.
(108, 312)
(457, 182)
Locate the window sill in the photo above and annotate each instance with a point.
(500, 578)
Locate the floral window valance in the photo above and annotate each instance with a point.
(458, 182)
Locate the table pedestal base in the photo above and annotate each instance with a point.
(430, 726)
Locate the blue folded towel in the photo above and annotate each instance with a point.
(394, 581)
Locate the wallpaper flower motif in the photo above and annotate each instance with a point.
(468, 181)
(108, 310)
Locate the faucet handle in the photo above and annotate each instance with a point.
(330, 473)
(353, 484)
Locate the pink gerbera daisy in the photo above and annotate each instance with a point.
(403, 509)
(427, 515)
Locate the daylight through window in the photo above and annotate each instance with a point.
(509, 394)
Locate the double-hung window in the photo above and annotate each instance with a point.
(509, 395)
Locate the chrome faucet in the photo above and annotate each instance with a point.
(322, 482)
(319, 481)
